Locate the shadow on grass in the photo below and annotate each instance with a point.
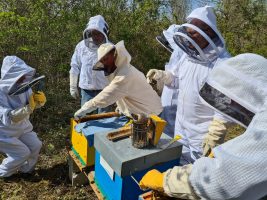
(56, 175)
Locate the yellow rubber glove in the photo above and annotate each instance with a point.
(32, 103)
(153, 180)
(39, 98)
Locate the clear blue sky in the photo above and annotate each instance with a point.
(199, 3)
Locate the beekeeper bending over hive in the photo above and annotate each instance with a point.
(128, 86)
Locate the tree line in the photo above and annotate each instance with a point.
(44, 33)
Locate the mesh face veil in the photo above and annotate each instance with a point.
(164, 42)
(183, 39)
(102, 51)
(96, 32)
(89, 40)
(226, 105)
(166, 38)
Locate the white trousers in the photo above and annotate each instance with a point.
(22, 153)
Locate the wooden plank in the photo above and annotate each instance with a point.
(77, 161)
(146, 196)
(98, 116)
(120, 133)
(90, 174)
(91, 177)
(76, 171)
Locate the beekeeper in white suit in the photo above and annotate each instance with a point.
(169, 95)
(85, 56)
(17, 139)
(204, 47)
(237, 89)
(128, 87)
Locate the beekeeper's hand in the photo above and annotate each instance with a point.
(74, 92)
(85, 109)
(215, 136)
(39, 99)
(159, 76)
(176, 182)
(32, 103)
(152, 180)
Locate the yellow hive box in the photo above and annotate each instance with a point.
(80, 146)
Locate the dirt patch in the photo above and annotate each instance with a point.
(48, 181)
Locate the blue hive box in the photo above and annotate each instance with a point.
(117, 162)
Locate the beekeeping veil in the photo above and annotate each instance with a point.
(166, 38)
(187, 44)
(95, 23)
(237, 87)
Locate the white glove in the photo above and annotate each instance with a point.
(19, 114)
(159, 76)
(85, 109)
(176, 183)
(74, 92)
(215, 136)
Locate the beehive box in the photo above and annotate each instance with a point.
(117, 162)
(82, 146)
(82, 142)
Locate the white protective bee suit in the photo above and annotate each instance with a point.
(82, 62)
(128, 88)
(169, 95)
(17, 139)
(237, 89)
(194, 119)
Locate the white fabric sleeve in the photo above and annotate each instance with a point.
(74, 92)
(74, 80)
(19, 114)
(174, 83)
(116, 90)
(75, 62)
(176, 183)
(173, 66)
(5, 115)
